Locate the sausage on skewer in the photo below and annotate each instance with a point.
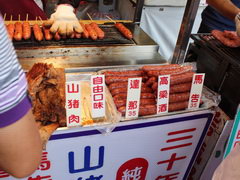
(85, 32)
(26, 30)
(98, 30)
(11, 29)
(91, 32)
(18, 33)
(38, 34)
(124, 30)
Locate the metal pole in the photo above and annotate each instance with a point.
(138, 10)
(185, 31)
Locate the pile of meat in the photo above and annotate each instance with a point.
(228, 38)
(180, 86)
(46, 86)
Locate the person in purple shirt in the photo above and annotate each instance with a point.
(20, 143)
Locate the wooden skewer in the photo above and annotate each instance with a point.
(111, 19)
(26, 17)
(19, 17)
(4, 17)
(89, 17)
(11, 18)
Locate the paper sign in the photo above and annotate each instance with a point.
(73, 103)
(98, 95)
(163, 94)
(235, 134)
(133, 97)
(196, 90)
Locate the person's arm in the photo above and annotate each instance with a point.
(20, 144)
(224, 7)
(20, 147)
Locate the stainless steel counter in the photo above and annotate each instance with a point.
(143, 51)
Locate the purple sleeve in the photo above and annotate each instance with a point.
(15, 113)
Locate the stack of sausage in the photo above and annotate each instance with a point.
(180, 85)
(117, 82)
(228, 38)
(19, 31)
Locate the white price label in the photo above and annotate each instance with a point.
(73, 103)
(98, 96)
(163, 94)
(133, 97)
(196, 90)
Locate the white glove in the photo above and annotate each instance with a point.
(237, 22)
(229, 168)
(64, 21)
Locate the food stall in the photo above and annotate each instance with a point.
(151, 146)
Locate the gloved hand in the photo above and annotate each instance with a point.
(237, 22)
(64, 21)
(229, 168)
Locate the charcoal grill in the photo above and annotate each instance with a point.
(222, 67)
(112, 36)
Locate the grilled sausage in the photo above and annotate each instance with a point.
(119, 85)
(177, 106)
(38, 34)
(124, 90)
(124, 73)
(91, 31)
(77, 35)
(179, 97)
(85, 32)
(11, 29)
(98, 30)
(47, 34)
(175, 71)
(124, 30)
(122, 102)
(160, 67)
(184, 87)
(26, 30)
(114, 79)
(57, 36)
(181, 78)
(142, 96)
(18, 31)
(228, 38)
(151, 80)
(144, 110)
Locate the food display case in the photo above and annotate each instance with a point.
(138, 148)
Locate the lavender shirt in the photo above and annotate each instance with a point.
(14, 102)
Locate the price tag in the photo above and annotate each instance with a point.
(73, 103)
(196, 90)
(163, 94)
(133, 97)
(98, 95)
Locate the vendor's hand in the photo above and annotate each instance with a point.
(229, 168)
(237, 21)
(64, 21)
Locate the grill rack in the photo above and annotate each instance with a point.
(112, 36)
(207, 40)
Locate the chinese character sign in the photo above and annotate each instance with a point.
(163, 94)
(98, 95)
(133, 97)
(73, 103)
(196, 91)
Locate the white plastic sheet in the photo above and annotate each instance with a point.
(162, 24)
